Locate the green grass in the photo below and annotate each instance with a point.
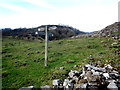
(23, 61)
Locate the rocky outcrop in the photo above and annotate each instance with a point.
(112, 31)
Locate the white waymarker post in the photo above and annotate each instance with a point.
(46, 45)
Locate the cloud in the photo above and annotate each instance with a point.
(14, 7)
(99, 0)
(89, 17)
(41, 3)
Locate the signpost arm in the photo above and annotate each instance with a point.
(46, 45)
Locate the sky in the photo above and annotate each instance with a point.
(85, 15)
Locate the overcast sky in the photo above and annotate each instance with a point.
(85, 15)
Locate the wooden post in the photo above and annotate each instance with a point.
(46, 45)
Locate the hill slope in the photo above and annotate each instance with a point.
(112, 31)
(30, 33)
(23, 61)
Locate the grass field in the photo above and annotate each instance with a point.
(23, 61)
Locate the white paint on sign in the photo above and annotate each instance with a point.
(36, 32)
(41, 29)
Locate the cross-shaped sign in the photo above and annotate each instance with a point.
(46, 29)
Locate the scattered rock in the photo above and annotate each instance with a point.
(90, 57)
(115, 44)
(84, 86)
(70, 61)
(83, 81)
(67, 84)
(73, 73)
(103, 41)
(56, 82)
(96, 73)
(75, 66)
(109, 67)
(88, 74)
(27, 88)
(46, 87)
(106, 75)
(61, 68)
(112, 86)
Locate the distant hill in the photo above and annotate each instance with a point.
(112, 31)
(32, 33)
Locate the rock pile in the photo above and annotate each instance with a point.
(91, 76)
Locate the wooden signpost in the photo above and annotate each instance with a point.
(46, 29)
(46, 45)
